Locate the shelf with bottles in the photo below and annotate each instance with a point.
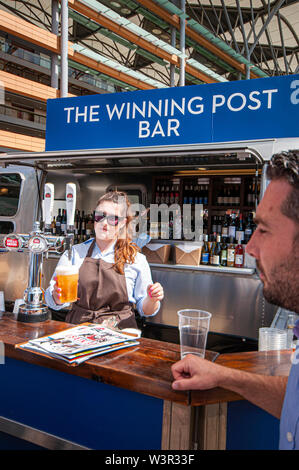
(223, 251)
(227, 192)
(251, 191)
(195, 191)
(83, 225)
(233, 225)
(166, 190)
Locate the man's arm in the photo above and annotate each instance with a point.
(194, 373)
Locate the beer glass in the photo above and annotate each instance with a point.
(67, 280)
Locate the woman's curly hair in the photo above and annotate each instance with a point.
(125, 250)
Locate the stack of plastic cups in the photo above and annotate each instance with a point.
(2, 301)
(272, 339)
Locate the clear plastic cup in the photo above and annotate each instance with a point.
(193, 327)
(2, 301)
(272, 339)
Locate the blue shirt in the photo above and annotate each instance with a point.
(138, 275)
(289, 421)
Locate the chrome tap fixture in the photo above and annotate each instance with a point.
(39, 243)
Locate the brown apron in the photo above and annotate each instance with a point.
(102, 295)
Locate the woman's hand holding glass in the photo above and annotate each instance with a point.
(56, 293)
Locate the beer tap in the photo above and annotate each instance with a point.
(39, 243)
(70, 216)
(48, 207)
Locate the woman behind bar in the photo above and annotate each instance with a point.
(113, 275)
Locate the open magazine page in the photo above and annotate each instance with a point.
(79, 339)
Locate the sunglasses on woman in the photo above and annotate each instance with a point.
(112, 220)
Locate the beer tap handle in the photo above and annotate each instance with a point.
(70, 216)
(48, 206)
(70, 205)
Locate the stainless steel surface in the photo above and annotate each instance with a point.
(222, 269)
(14, 266)
(236, 302)
(263, 149)
(40, 438)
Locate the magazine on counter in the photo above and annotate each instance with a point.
(79, 343)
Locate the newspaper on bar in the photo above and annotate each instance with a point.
(80, 343)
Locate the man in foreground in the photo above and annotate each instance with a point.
(275, 246)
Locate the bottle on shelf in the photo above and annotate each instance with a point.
(225, 197)
(197, 194)
(214, 223)
(53, 226)
(229, 197)
(191, 195)
(167, 194)
(157, 195)
(83, 227)
(219, 225)
(224, 230)
(239, 255)
(206, 195)
(231, 255)
(219, 200)
(240, 229)
(248, 228)
(186, 194)
(89, 226)
(232, 227)
(58, 223)
(205, 252)
(63, 222)
(162, 194)
(216, 252)
(77, 226)
(223, 255)
(237, 195)
(171, 196)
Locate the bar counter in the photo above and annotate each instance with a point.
(100, 403)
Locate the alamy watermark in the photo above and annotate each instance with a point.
(185, 222)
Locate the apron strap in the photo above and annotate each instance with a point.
(91, 248)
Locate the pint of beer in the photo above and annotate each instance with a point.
(67, 280)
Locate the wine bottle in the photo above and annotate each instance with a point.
(205, 252)
(224, 230)
(232, 228)
(58, 223)
(216, 252)
(231, 255)
(239, 255)
(248, 228)
(240, 230)
(223, 255)
(63, 221)
(53, 226)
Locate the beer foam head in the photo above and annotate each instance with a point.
(66, 270)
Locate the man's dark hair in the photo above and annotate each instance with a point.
(285, 165)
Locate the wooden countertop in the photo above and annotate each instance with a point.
(144, 368)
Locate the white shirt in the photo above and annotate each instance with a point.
(138, 275)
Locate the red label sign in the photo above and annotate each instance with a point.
(69, 196)
(12, 243)
(47, 195)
